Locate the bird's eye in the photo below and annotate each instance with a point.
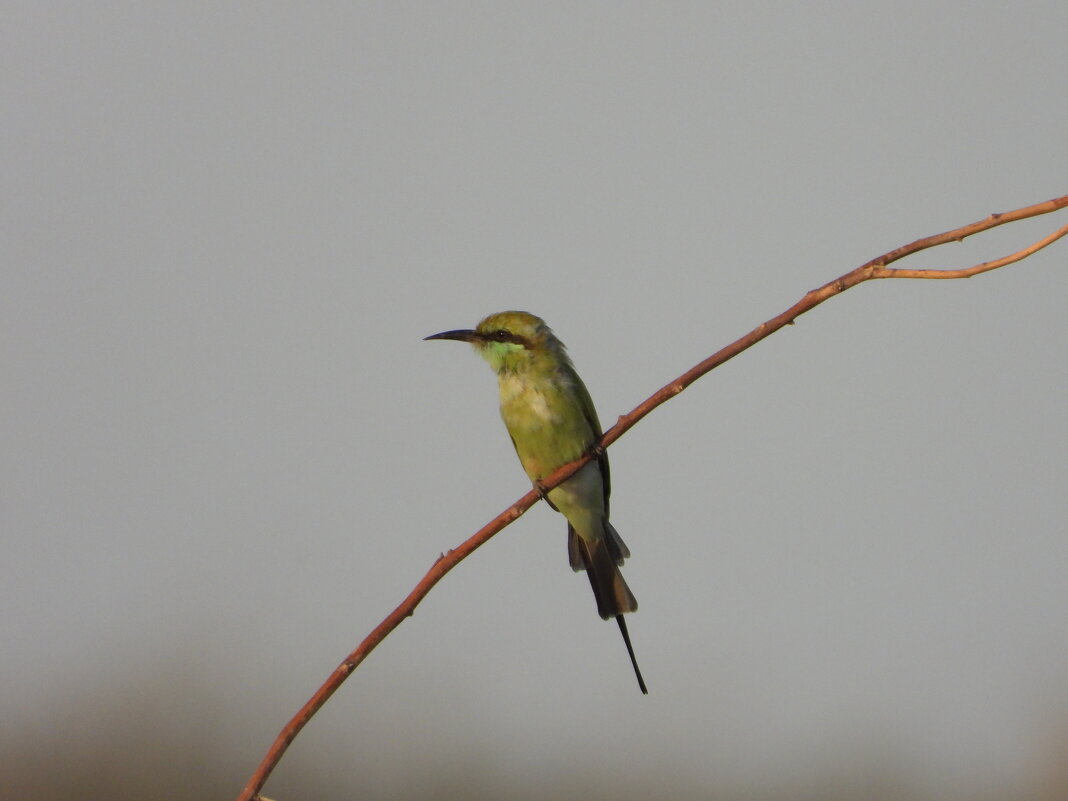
(501, 335)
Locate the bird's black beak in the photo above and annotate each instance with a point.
(460, 335)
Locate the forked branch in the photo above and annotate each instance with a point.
(876, 268)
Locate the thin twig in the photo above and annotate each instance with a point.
(876, 268)
(968, 272)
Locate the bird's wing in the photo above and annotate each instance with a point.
(590, 413)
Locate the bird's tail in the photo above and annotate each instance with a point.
(630, 652)
(601, 560)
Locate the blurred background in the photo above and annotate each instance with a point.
(227, 452)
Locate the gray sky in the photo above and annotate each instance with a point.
(227, 454)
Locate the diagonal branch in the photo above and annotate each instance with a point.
(876, 268)
(968, 272)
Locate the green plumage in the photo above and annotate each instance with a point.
(552, 421)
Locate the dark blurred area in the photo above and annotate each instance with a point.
(162, 736)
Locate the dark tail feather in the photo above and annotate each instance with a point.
(611, 591)
(630, 650)
(617, 549)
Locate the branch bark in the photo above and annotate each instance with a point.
(876, 268)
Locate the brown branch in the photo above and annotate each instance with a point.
(876, 268)
(968, 272)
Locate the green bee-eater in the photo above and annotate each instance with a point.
(550, 417)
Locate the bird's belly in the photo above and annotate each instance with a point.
(581, 500)
(544, 447)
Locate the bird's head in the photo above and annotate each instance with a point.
(511, 341)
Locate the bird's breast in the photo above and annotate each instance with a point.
(524, 403)
(545, 420)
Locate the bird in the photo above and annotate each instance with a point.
(551, 420)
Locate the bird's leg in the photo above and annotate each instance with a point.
(544, 494)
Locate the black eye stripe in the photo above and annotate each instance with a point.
(500, 335)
